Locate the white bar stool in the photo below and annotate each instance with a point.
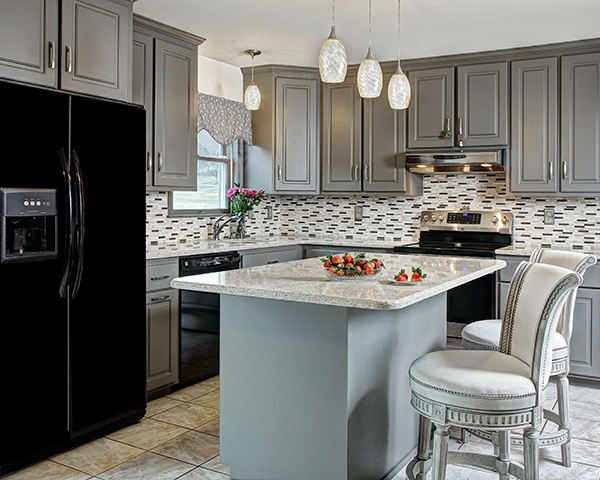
(485, 335)
(495, 391)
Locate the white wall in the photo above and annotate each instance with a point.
(220, 79)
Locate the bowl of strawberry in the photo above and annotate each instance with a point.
(345, 267)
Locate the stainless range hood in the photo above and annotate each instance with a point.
(488, 161)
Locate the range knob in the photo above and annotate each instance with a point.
(425, 218)
(494, 220)
(434, 218)
(504, 219)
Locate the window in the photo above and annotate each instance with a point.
(216, 166)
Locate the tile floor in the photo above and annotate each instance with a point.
(179, 439)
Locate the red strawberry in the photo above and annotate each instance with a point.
(402, 276)
(417, 274)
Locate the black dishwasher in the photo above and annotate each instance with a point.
(199, 318)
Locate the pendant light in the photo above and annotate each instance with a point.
(399, 86)
(333, 61)
(370, 76)
(252, 93)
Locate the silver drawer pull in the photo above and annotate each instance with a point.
(159, 278)
(156, 299)
(272, 261)
(51, 58)
(68, 66)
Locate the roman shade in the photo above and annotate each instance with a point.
(226, 120)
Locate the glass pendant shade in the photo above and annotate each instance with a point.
(370, 77)
(252, 97)
(333, 61)
(399, 90)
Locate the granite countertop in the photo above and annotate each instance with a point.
(305, 281)
(526, 251)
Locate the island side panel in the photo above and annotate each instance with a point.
(283, 389)
(382, 425)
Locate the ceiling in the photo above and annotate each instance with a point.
(290, 32)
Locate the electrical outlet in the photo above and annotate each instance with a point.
(358, 213)
(549, 216)
(269, 212)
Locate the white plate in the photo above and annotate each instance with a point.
(407, 283)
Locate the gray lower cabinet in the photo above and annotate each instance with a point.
(165, 75)
(162, 323)
(284, 155)
(555, 146)
(476, 116)
(585, 339)
(82, 46)
(268, 256)
(363, 143)
(313, 251)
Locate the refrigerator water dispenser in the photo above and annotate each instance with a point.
(28, 224)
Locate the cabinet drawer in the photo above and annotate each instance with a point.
(160, 274)
(269, 257)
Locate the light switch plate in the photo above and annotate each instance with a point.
(549, 216)
(358, 213)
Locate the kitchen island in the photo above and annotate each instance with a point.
(314, 373)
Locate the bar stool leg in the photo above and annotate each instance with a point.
(503, 462)
(562, 391)
(440, 451)
(531, 452)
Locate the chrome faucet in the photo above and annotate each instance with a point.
(220, 223)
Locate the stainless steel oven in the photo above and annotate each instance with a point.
(199, 318)
(464, 233)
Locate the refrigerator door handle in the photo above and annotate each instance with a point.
(70, 225)
(79, 222)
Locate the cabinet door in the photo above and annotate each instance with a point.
(482, 105)
(175, 116)
(296, 135)
(431, 109)
(384, 146)
(162, 320)
(580, 123)
(143, 71)
(585, 340)
(96, 41)
(29, 41)
(534, 129)
(341, 139)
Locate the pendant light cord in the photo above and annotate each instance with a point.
(252, 80)
(333, 12)
(369, 23)
(398, 32)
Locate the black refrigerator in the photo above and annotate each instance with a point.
(72, 274)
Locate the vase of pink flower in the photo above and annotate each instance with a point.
(242, 201)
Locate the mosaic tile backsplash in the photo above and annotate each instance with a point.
(577, 219)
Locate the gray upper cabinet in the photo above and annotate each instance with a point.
(165, 81)
(284, 155)
(29, 41)
(580, 123)
(476, 116)
(431, 110)
(92, 56)
(341, 148)
(552, 152)
(363, 143)
(534, 125)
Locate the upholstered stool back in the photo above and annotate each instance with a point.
(575, 261)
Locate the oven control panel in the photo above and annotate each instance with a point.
(467, 220)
